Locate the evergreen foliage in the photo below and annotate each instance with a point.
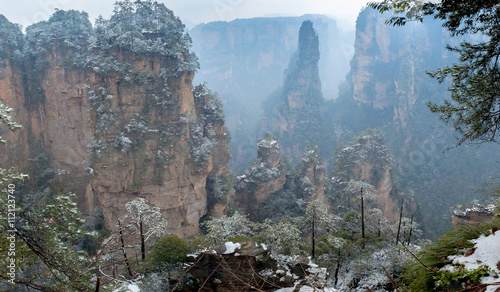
(283, 237)
(426, 274)
(218, 189)
(64, 28)
(146, 27)
(367, 146)
(11, 39)
(167, 251)
(51, 240)
(219, 230)
(143, 219)
(475, 91)
(203, 137)
(453, 279)
(67, 30)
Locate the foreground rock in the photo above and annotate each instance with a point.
(249, 266)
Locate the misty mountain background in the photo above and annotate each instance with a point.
(372, 78)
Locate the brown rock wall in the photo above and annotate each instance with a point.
(109, 175)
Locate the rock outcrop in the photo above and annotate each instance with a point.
(12, 93)
(257, 50)
(378, 46)
(388, 89)
(294, 112)
(312, 176)
(265, 176)
(366, 163)
(113, 109)
(473, 215)
(242, 267)
(273, 189)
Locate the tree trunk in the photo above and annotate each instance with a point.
(362, 220)
(143, 245)
(378, 233)
(123, 249)
(313, 235)
(400, 218)
(411, 229)
(337, 269)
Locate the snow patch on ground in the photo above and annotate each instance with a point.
(486, 253)
(307, 289)
(133, 287)
(231, 247)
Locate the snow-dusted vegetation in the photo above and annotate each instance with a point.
(465, 258)
(111, 111)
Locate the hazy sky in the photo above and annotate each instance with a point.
(26, 12)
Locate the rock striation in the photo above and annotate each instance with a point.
(113, 109)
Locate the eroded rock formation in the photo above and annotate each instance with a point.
(366, 163)
(272, 188)
(113, 111)
(295, 115)
(476, 214)
(265, 176)
(244, 60)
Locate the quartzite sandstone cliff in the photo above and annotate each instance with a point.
(294, 112)
(113, 111)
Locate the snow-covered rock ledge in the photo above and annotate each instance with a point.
(484, 255)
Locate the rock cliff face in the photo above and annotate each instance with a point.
(379, 46)
(271, 188)
(114, 110)
(388, 88)
(294, 113)
(11, 93)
